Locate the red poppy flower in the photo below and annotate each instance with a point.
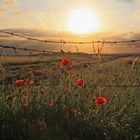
(26, 94)
(31, 82)
(65, 62)
(25, 105)
(80, 82)
(42, 124)
(74, 110)
(19, 82)
(101, 100)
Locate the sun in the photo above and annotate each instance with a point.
(82, 21)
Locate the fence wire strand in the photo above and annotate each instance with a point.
(63, 42)
(71, 42)
(22, 49)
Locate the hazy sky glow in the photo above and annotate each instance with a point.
(118, 20)
(115, 15)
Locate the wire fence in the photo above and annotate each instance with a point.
(72, 42)
(62, 42)
(22, 49)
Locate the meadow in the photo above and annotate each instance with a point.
(69, 97)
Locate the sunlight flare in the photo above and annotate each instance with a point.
(82, 21)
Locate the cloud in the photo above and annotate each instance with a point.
(127, 0)
(17, 13)
(137, 14)
(1, 11)
(10, 2)
(6, 4)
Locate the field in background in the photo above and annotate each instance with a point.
(69, 112)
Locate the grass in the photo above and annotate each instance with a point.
(55, 94)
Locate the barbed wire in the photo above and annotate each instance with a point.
(62, 42)
(72, 42)
(22, 49)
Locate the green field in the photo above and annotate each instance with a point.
(56, 108)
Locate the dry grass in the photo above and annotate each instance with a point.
(118, 120)
(22, 59)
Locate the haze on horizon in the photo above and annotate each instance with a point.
(113, 20)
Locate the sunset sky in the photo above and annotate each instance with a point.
(114, 15)
(109, 17)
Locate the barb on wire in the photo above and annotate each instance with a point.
(71, 42)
